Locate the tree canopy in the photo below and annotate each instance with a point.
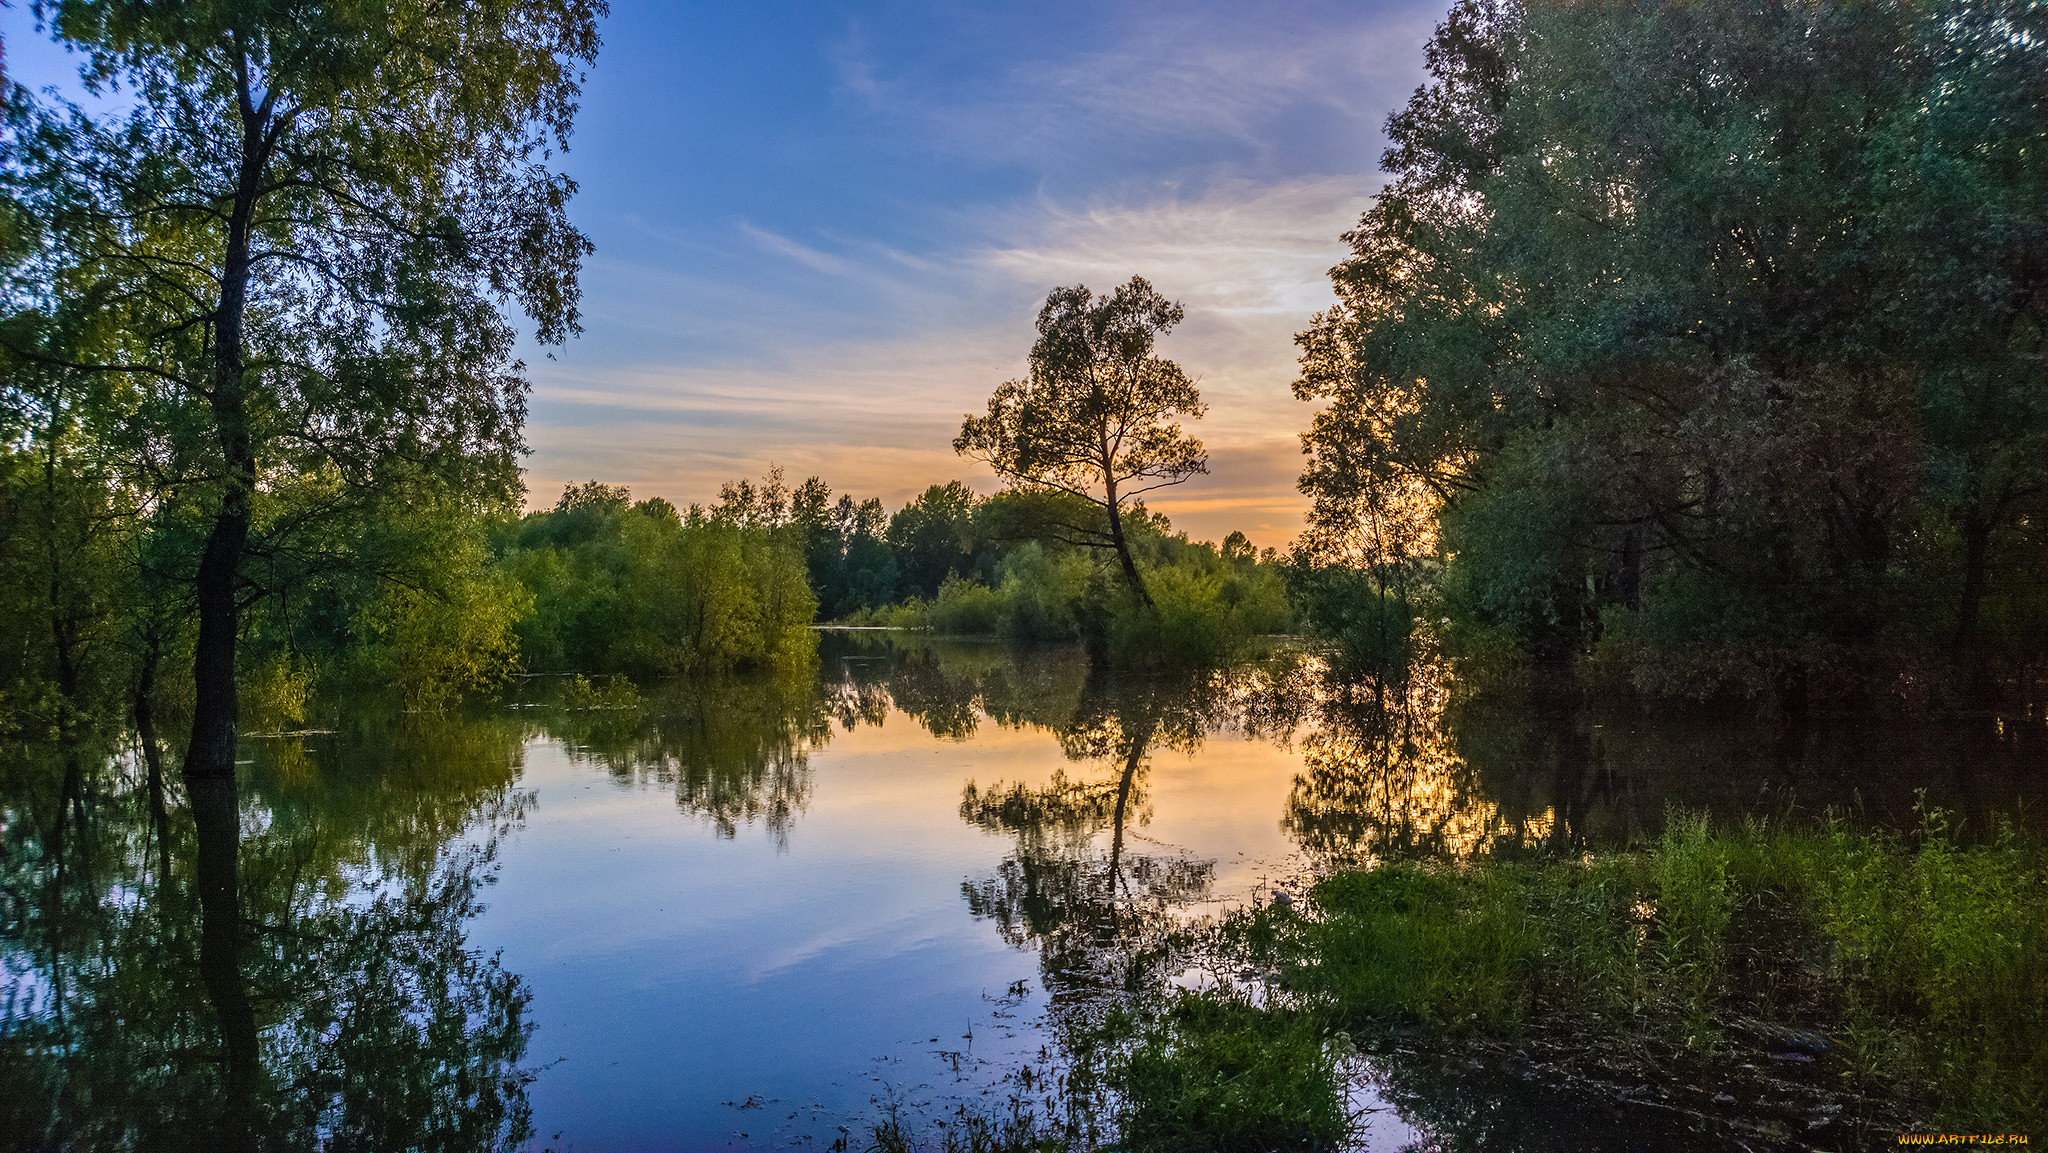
(287, 263)
(1706, 328)
(1096, 416)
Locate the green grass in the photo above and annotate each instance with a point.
(1917, 964)
(1909, 967)
(1212, 1072)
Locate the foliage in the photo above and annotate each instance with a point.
(1366, 614)
(933, 537)
(1213, 1072)
(1096, 414)
(1703, 326)
(1701, 948)
(1008, 566)
(626, 587)
(271, 276)
(1204, 613)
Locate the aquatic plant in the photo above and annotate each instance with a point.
(1901, 970)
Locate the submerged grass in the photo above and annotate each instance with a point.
(1761, 981)
(1207, 1072)
(1213, 1072)
(1911, 966)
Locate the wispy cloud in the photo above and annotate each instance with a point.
(973, 157)
(803, 254)
(878, 414)
(1165, 75)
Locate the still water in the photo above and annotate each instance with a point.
(746, 914)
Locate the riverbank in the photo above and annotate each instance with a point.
(1821, 988)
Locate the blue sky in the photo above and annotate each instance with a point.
(823, 230)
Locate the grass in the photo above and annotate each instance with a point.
(1194, 1072)
(1862, 981)
(1017, 1130)
(1211, 1072)
(1912, 966)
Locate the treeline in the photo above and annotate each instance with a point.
(1705, 343)
(398, 588)
(637, 587)
(436, 595)
(628, 586)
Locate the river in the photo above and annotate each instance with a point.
(758, 912)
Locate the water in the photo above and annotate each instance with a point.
(747, 914)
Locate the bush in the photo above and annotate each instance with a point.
(633, 588)
(966, 607)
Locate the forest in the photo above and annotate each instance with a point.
(1691, 353)
(1711, 367)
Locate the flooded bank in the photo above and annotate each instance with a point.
(748, 913)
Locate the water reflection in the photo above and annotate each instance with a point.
(1099, 914)
(292, 964)
(736, 751)
(1382, 775)
(288, 968)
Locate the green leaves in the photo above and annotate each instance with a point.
(1750, 283)
(1095, 419)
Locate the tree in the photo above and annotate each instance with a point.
(290, 255)
(1718, 327)
(301, 237)
(1095, 418)
(933, 536)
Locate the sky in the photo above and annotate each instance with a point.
(823, 230)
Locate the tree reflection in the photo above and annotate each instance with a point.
(1381, 772)
(326, 997)
(735, 749)
(1101, 916)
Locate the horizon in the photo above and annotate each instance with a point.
(829, 241)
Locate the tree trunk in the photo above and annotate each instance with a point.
(218, 581)
(209, 768)
(1123, 552)
(1976, 552)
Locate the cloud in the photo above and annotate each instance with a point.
(803, 254)
(1218, 149)
(1156, 78)
(876, 415)
(1249, 261)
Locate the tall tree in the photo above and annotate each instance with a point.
(302, 236)
(933, 536)
(292, 253)
(1096, 416)
(1721, 323)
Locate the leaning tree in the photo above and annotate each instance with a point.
(1095, 419)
